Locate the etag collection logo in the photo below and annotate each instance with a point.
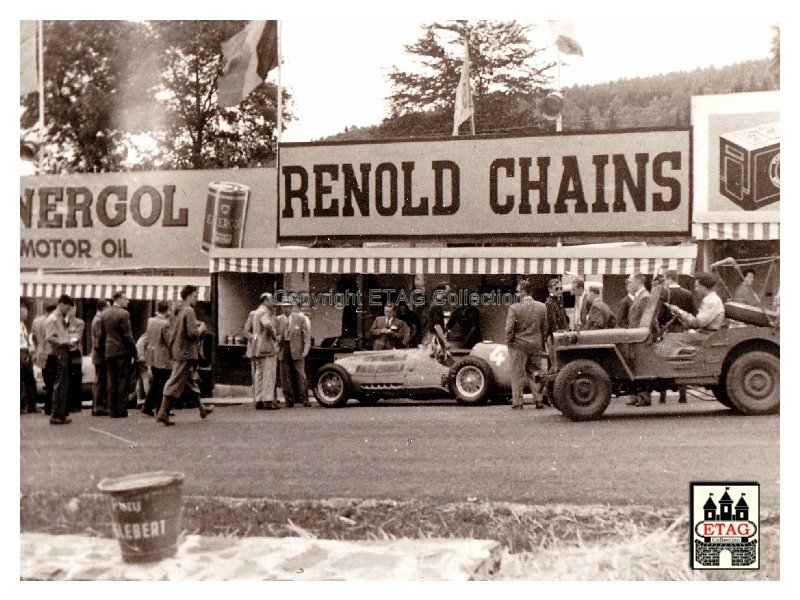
(724, 525)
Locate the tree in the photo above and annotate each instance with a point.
(143, 96)
(504, 79)
(83, 66)
(775, 51)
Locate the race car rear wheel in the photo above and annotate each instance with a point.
(471, 380)
(753, 383)
(582, 390)
(332, 386)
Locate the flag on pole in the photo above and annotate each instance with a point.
(249, 56)
(561, 32)
(28, 74)
(464, 107)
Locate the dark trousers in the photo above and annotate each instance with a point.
(27, 383)
(156, 392)
(49, 375)
(293, 380)
(183, 376)
(75, 384)
(99, 396)
(117, 368)
(61, 383)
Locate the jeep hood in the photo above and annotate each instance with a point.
(601, 336)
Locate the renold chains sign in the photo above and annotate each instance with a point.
(156, 219)
(613, 183)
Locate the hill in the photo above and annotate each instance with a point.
(656, 101)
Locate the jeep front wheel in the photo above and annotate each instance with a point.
(582, 390)
(754, 383)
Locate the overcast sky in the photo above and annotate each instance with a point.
(337, 70)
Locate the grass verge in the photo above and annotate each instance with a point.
(552, 542)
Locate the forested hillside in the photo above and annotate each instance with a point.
(657, 101)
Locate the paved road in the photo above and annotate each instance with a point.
(405, 450)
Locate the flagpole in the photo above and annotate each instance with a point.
(280, 89)
(41, 98)
(471, 99)
(558, 83)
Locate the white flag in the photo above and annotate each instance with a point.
(464, 108)
(28, 74)
(561, 32)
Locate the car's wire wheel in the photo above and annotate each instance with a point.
(332, 386)
(471, 380)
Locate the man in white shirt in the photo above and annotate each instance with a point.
(580, 304)
(711, 314)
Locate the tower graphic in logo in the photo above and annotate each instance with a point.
(724, 532)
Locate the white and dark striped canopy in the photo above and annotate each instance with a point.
(52, 285)
(582, 260)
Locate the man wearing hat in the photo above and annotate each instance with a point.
(295, 342)
(262, 350)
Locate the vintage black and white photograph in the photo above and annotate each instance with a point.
(323, 298)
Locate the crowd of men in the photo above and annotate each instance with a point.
(170, 354)
(279, 339)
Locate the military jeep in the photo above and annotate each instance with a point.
(739, 364)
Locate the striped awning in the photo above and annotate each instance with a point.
(583, 260)
(136, 288)
(737, 226)
(736, 231)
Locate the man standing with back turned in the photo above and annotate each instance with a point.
(526, 332)
(119, 347)
(185, 342)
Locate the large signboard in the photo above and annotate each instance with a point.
(157, 219)
(737, 152)
(607, 183)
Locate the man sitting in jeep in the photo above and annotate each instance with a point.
(711, 314)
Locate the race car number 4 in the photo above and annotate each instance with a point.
(498, 355)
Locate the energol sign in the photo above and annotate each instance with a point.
(157, 219)
(610, 183)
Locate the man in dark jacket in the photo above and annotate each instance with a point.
(598, 315)
(119, 348)
(673, 293)
(184, 347)
(463, 329)
(526, 331)
(557, 319)
(100, 385)
(157, 356)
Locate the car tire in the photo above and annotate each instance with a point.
(753, 383)
(332, 386)
(582, 390)
(721, 394)
(471, 380)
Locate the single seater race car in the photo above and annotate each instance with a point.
(430, 370)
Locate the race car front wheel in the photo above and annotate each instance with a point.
(332, 386)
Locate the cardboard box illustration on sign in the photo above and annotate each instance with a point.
(750, 163)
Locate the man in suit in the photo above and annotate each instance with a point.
(636, 288)
(59, 342)
(100, 385)
(526, 331)
(598, 315)
(556, 315)
(295, 342)
(185, 336)
(388, 331)
(262, 350)
(579, 293)
(158, 357)
(673, 293)
(27, 381)
(44, 357)
(119, 348)
(75, 327)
